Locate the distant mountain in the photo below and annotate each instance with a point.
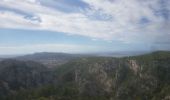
(121, 53)
(144, 77)
(8, 56)
(49, 59)
(52, 59)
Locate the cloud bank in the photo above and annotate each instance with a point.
(127, 21)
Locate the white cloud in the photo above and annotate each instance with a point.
(13, 20)
(125, 25)
(127, 15)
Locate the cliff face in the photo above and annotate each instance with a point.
(143, 77)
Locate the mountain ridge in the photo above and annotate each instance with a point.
(144, 77)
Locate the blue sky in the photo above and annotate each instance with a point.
(83, 26)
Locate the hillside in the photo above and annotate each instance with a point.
(144, 77)
(19, 75)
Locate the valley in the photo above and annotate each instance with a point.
(144, 77)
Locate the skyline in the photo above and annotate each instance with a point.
(83, 26)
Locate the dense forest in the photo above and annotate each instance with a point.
(144, 77)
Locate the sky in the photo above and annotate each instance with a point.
(83, 26)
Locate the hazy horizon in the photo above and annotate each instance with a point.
(106, 54)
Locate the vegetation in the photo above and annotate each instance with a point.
(144, 77)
